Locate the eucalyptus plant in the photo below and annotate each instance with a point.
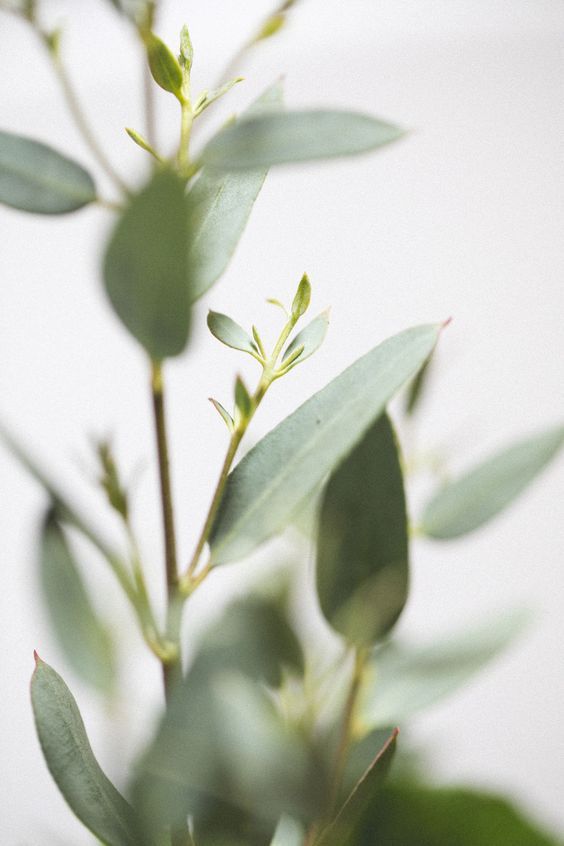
(261, 740)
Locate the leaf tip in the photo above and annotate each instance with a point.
(36, 658)
(446, 322)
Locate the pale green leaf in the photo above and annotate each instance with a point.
(209, 97)
(83, 639)
(302, 297)
(466, 504)
(164, 66)
(310, 338)
(225, 416)
(362, 542)
(229, 332)
(265, 140)
(146, 267)
(35, 178)
(265, 488)
(68, 754)
(143, 143)
(186, 48)
(220, 205)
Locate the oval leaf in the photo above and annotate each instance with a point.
(82, 637)
(164, 66)
(229, 332)
(89, 793)
(265, 140)
(269, 483)
(35, 178)
(146, 267)
(311, 338)
(473, 500)
(362, 542)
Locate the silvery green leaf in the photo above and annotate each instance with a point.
(220, 205)
(209, 97)
(265, 140)
(266, 487)
(467, 503)
(186, 48)
(164, 66)
(229, 332)
(35, 178)
(311, 338)
(302, 297)
(226, 417)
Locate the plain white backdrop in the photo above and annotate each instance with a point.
(464, 218)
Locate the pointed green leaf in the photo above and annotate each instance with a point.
(220, 205)
(310, 338)
(35, 178)
(273, 139)
(404, 680)
(68, 754)
(416, 389)
(266, 487)
(186, 48)
(229, 332)
(146, 267)
(226, 417)
(82, 638)
(362, 541)
(468, 503)
(209, 97)
(302, 298)
(243, 402)
(143, 143)
(164, 66)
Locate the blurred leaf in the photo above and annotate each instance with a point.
(89, 793)
(35, 178)
(143, 143)
(220, 205)
(310, 338)
(289, 832)
(82, 637)
(419, 816)
(265, 140)
(405, 680)
(269, 483)
(243, 401)
(209, 97)
(146, 267)
(416, 388)
(229, 332)
(164, 66)
(186, 48)
(469, 502)
(362, 542)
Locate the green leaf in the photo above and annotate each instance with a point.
(403, 680)
(83, 639)
(143, 143)
(243, 401)
(226, 417)
(268, 484)
(89, 793)
(420, 816)
(302, 298)
(209, 97)
(146, 267)
(471, 501)
(265, 140)
(310, 338)
(343, 829)
(35, 178)
(220, 205)
(164, 66)
(416, 389)
(230, 333)
(186, 48)
(362, 543)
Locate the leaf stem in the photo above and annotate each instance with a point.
(347, 727)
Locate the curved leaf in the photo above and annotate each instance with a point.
(311, 338)
(229, 332)
(469, 502)
(362, 542)
(268, 484)
(35, 178)
(266, 140)
(70, 759)
(146, 269)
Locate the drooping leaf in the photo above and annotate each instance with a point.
(146, 268)
(220, 205)
(362, 541)
(273, 139)
(164, 66)
(405, 680)
(310, 338)
(35, 178)
(68, 754)
(83, 639)
(468, 503)
(229, 332)
(422, 816)
(287, 465)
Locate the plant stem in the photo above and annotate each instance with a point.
(347, 727)
(186, 120)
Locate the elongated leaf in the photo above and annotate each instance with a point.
(164, 66)
(362, 542)
(229, 332)
(220, 205)
(416, 389)
(266, 487)
(266, 140)
(70, 759)
(473, 500)
(419, 816)
(405, 680)
(83, 639)
(146, 267)
(310, 338)
(35, 178)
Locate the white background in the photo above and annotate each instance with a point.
(464, 218)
